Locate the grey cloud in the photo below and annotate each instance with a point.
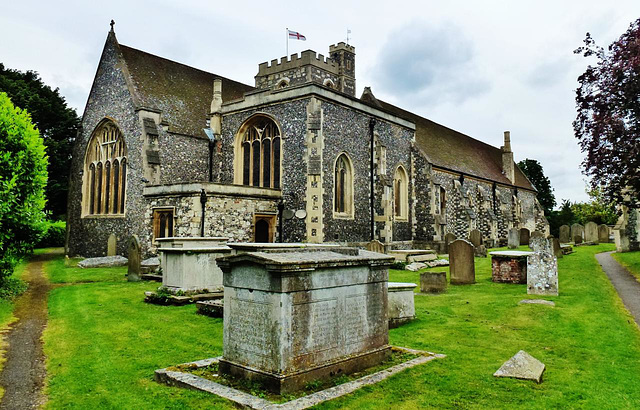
(429, 65)
(549, 73)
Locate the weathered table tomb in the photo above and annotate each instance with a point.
(293, 316)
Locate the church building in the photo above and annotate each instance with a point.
(169, 150)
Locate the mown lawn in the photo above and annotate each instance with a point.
(631, 261)
(103, 344)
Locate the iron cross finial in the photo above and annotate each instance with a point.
(113, 23)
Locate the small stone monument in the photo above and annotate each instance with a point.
(565, 234)
(524, 236)
(603, 233)
(461, 262)
(577, 239)
(448, 238)
(475, 237)
(480, 251)
(375, 246)
(300, 315)
(513, 242)
(112, 245)
(401, 306)
(433, 282)
(591, 232)
(577, 230)
(522, 366)
(542, 268)
(509, 266)
(135, 257)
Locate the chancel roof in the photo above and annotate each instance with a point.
(453, 150)
(183, 94)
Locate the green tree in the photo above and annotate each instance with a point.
(23, 177)
(56, 122)
(598, 209)
(532, 169)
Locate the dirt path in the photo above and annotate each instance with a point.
(627, 286)
(23, 375)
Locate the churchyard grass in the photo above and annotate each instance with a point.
(631, 261)
(103, 344)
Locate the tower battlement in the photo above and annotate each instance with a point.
(307, 57)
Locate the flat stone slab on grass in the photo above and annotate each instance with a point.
(213, 308)
(191, 381)
(522, 366)
(103, 262)
(536, 302)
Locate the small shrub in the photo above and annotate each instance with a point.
(54, 235)
(11, 287)
(398, 265)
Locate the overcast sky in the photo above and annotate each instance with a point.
(478, 67)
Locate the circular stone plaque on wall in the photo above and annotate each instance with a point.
(301, 214)
(287, 214)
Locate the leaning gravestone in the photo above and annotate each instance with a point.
(461, 263)
(448, 238)
(577, 230)
(112, 245)
(542, 268)
(603, 233)
(133, 271)
(524, 236)
(433, 282)
(577, 239)
(475, 237)
(565, 234)
(591, 232)
(514, 238)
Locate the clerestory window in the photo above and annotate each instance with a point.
(105, 172)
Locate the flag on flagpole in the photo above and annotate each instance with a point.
(297, 36)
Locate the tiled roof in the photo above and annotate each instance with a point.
(183, 94)
(452, 150)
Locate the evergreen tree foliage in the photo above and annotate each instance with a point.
(23, 178)
(532, 169)
(56, 122)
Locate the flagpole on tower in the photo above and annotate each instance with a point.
(287, 35)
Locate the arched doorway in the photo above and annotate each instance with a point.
(263, 228)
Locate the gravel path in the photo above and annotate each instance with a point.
(24, 370)
(627, 286)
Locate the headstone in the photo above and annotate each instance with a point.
(462, 264)
(557, 250)
(603, 233)
(513, 241)
(522, 366)
(112, 244)
(135, 257)
(375, 246)
(536, 234)
(565, 234)
(448, 238)
(480, 251)
(542, 268)
(401, 306)
(577, 230)
(524, 236)
(300, 315)
(475, 237)
(591, 232)
(577, 239)
(433, 282)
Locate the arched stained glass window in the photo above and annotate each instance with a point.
(401, 193)
(105, 171)
(258, 153)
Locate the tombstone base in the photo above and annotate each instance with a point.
(287, 383)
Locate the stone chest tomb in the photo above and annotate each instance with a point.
(189, 264)
(294, 316)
